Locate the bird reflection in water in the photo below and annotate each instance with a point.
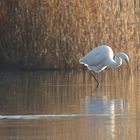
(104, 111)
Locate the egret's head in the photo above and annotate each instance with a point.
(125, 57)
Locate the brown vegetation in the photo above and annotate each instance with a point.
(54, 34)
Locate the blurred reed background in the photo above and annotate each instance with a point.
(54, 34)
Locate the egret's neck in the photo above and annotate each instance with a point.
(117, 62)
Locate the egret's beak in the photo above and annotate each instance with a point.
(128, 66)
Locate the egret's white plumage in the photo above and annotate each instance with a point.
(102, 57)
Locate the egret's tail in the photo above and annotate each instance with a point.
(81, 61)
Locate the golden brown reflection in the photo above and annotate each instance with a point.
(110, 111)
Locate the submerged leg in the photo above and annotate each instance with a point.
(94, 77)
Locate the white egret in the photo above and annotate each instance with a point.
(101, 57)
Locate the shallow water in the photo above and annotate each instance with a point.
(69, 106)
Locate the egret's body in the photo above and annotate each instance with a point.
(101, 57)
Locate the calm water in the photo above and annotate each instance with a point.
(69, 106)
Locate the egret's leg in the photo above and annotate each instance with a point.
(94, 77)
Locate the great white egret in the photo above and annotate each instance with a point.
(101, 57)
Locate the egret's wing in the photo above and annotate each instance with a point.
(98, 59)
(92, 58)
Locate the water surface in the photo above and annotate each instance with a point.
(69, 106)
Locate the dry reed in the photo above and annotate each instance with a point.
(38, 34)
